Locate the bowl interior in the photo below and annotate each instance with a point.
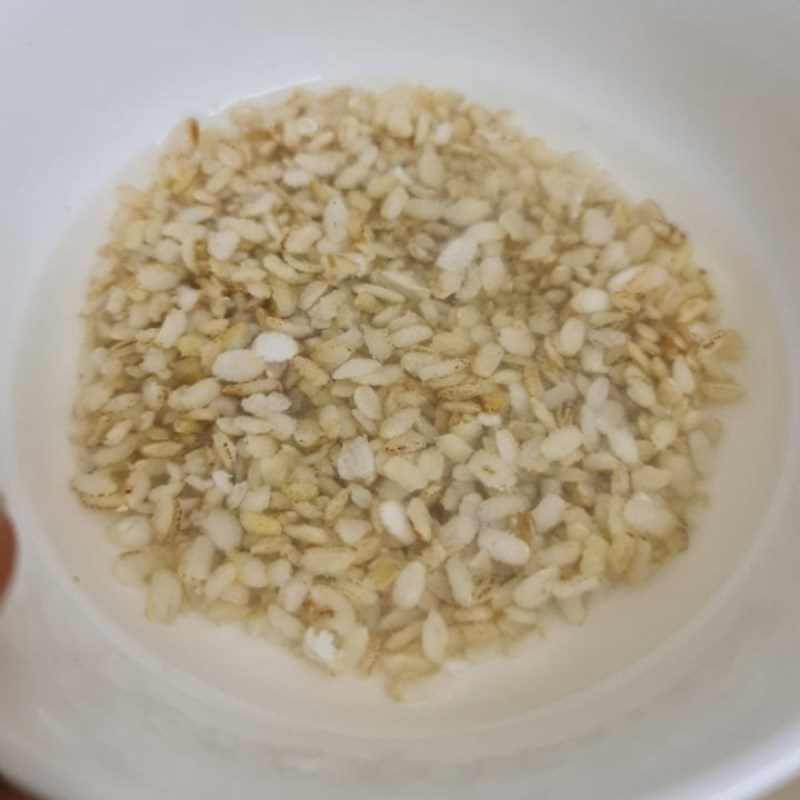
(623, 626)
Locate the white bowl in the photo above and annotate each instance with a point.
(684, 688)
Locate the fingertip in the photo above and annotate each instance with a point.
(7, 552)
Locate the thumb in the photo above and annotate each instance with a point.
(7, 548)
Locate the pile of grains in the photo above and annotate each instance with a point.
(385, 378)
